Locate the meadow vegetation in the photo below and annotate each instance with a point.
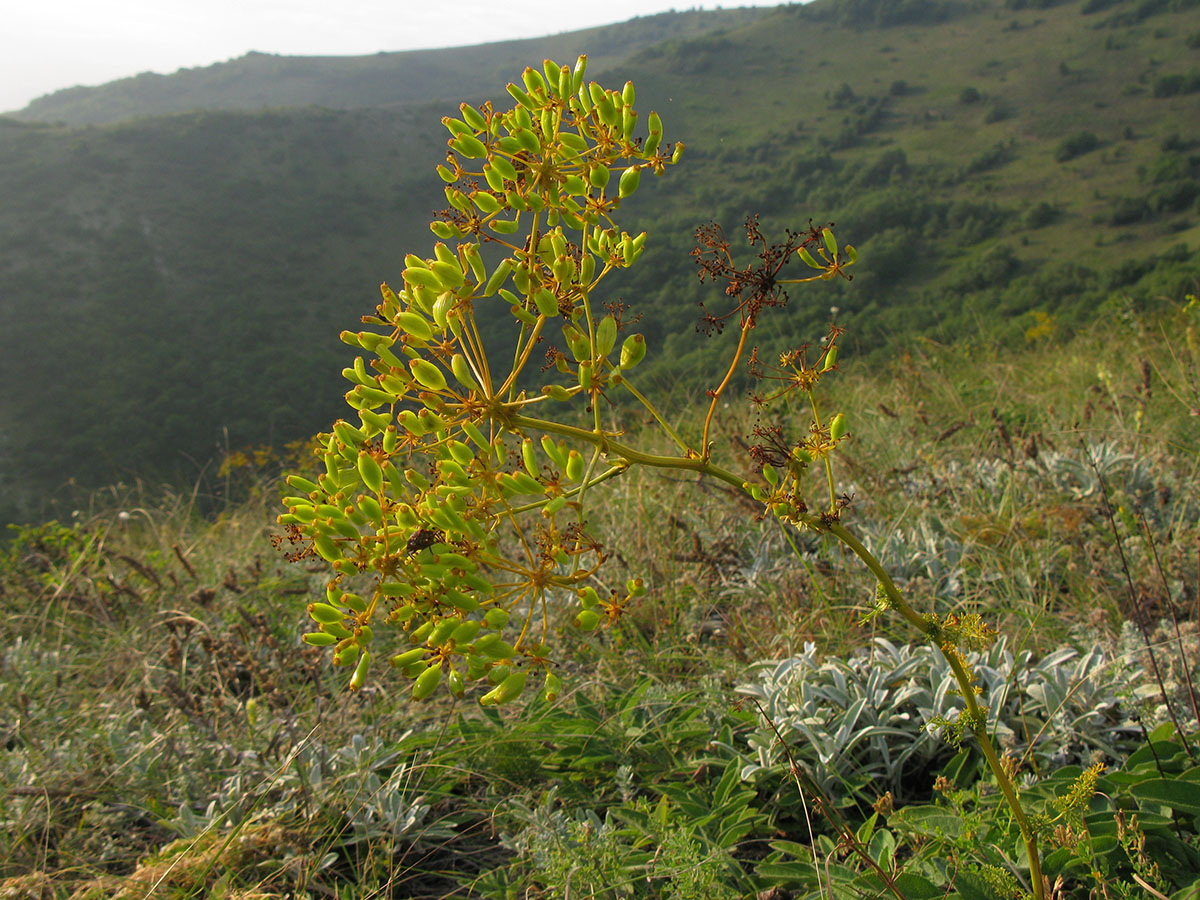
(731, 703)
(928, 132)
(166, 735)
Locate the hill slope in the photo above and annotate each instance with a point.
(262, 80)
(171, 285)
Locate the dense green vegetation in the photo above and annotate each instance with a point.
(231, 761)
(393, 81)
(166, 280)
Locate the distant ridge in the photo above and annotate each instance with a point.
(263, 80)
(172, 285)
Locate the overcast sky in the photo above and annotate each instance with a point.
(46, 45)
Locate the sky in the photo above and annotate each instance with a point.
(54, 44)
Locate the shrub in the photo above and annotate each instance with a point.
(1041, 215)
(1076, 145)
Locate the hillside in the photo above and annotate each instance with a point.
(264, 80)
(174, 285)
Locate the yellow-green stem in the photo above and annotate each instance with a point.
(967, 686)
(712, 407)
(615, 448)
(679, 442)
(812, 399)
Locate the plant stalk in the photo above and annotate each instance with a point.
(973, 709)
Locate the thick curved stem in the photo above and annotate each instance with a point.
(973, 709)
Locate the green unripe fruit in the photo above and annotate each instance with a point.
(319, 639)
(830, 358)
(301, 484)
(633, 351)
(370, 472)
(360, 671)
(575, 466)
(556, 452)
(337, 629)
(504, 167)
(407, 658)
(414, 324)
(630, 179)
(552, 687)
(427, 682)
(354, 602)
(830, 242)
(469, 146)
(529, 457)
(546, 302)
(499, 276)
(428, 375)
(473, 117)
(465, 632)
(837, 427)
(509, 689)
(324, 613)
(441, 631)
(587, 619)
(371, 509)
(495, 617)
(606, 335)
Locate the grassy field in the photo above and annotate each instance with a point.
(991, 161)
(163, 732)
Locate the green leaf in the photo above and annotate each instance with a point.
(927, 820)
(1177, 794)
(1191, 892)
(972, 887)
(909, 884)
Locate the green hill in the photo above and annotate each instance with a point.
(174, 285)
(264, 80)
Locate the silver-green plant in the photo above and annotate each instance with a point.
(452, 510)
(861, 724)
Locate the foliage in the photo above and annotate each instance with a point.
(132, 207)
(649, 711)
(1076, 145)
(429, 532)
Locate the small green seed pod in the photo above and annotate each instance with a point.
(427, 682)
(496, 617)
(837, 427)
(630, 179)
(606, 335)
(407, 658)
(319, 639)
(575, 466)
(370, 471)
(552, 687)
(324, 613)
(633, 351)
(428, 374)
(509, 689)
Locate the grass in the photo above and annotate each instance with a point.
(166, 735)
(209, 218)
